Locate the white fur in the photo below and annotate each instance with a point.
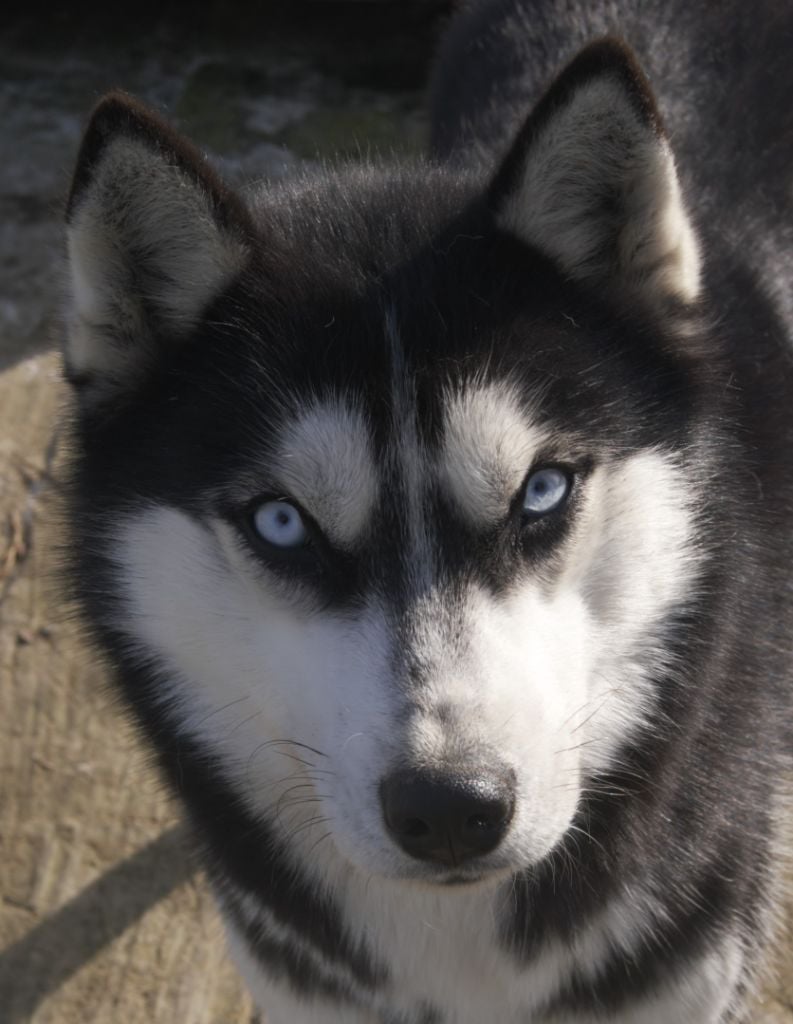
(594, 146)
(324, 460)
(488, 446)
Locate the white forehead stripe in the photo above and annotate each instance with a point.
(324, 461)
(487, 448)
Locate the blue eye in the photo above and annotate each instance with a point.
(280, 524)
(546, 489)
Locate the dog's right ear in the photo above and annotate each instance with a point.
(591, 181)
(153, 238)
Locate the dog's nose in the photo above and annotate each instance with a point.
(448, 818)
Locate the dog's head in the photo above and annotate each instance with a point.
(387, 477)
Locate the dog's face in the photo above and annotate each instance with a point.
(391, 505)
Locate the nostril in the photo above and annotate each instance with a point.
(414, 828)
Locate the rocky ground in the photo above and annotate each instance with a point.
(104, 917)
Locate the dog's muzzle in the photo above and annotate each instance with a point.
(448, 818)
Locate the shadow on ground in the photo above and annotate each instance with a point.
(61, 944)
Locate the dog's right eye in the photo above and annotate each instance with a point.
(280, 524)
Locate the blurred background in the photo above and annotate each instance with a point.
(104, 917)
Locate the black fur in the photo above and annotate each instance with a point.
(690, 809)
(119, 114)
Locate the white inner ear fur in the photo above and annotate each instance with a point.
(600, 194)
(143, 247)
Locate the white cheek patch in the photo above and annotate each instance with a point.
(633, 562)
(183, 606)
(324, 461)
(639, 557)
(486, 451)
(246, 671)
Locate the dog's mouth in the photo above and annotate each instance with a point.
(458, 877)
(461, 880)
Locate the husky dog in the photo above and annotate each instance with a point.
(436, 519)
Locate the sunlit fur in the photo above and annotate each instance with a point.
(395, 350)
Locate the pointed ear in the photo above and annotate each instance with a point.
(153, 238)
(591, 182)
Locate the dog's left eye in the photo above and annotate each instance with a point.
(280, 524)
(546, 489)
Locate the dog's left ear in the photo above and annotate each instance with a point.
(591, 182)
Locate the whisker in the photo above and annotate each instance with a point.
(306, 825)
(245, 721)
(320, 840)
(220, 710)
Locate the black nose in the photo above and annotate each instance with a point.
(447, 818)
